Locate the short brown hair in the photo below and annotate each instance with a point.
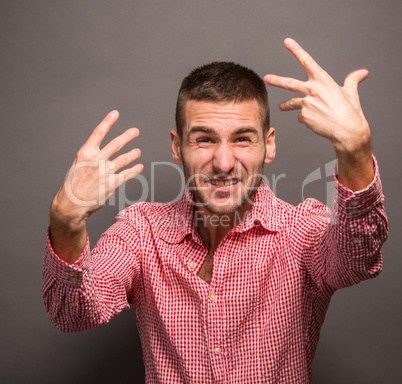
(222, 81)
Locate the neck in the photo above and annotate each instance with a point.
(213, 227)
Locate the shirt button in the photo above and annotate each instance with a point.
(73, 305)
(212, 297)
(74, 279)
(356, 240)
(217, 351)
(353, 203)
(355, 210)
(192, 265)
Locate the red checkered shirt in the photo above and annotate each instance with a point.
(259, 319)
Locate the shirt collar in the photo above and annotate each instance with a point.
(178, 216)
(178, 219)
(266, 211)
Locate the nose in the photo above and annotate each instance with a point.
(224, 159)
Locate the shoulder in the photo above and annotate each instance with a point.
(143, 212)
(165, 220)
(308, 207)
(307, 215)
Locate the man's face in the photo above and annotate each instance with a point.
(223, 152)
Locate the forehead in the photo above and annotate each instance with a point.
(223, 113)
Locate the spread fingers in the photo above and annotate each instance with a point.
(292, 104)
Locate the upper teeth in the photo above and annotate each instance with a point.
(223, 183)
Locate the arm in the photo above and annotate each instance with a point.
(99, 285)
(341, 247)
(83, 289)
(91, 181)
(344, 247)
(332, 112)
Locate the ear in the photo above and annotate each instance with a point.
(176, 147)
(270, 146)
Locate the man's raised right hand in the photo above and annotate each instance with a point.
(90, 182)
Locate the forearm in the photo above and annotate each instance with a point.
(355, 169)
(79, 298)
(67, 232)
(82, 290)
(97, 286)
(347, 244)
(359, 227)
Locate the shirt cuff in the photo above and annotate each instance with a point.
(358, 202)
(70, 274)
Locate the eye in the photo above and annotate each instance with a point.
(242, 139)
(204, 140)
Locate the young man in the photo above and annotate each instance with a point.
(218, 300)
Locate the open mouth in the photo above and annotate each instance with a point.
(224, 183)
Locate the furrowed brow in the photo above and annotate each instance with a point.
(201, 130)
(246, 130)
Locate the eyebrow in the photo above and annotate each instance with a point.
(200, 129)
(246, 130)
(239, 131)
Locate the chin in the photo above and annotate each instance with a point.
(240, 200)
(226, 208)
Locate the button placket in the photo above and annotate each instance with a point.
(73, 276)
(216, 313)
(356, 240)
(214, 329)
(354, 202)
(192, 265)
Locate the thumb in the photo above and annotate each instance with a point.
(355, 78)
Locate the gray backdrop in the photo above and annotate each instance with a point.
(64, 65)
